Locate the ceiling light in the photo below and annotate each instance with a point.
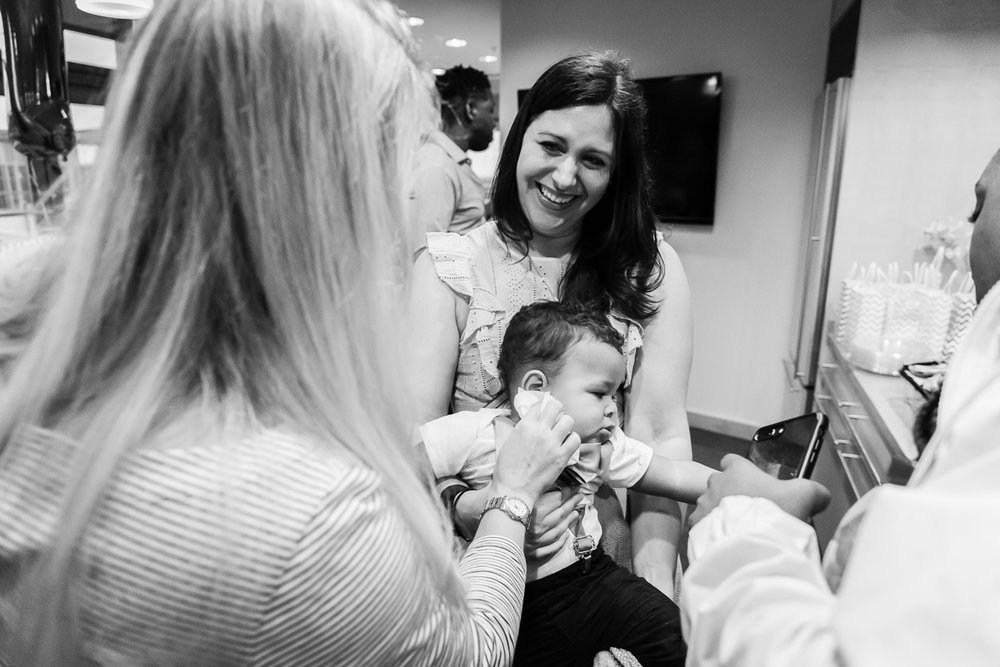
(488, 59)
(437, 71)
(455, 43)
(117, 9)
(414, 21)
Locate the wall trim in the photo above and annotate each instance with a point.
(721, 425)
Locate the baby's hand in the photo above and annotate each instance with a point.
(739, 477)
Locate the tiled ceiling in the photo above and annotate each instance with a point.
(476, 21)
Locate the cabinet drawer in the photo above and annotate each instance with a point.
(851, 419)
(842, 467)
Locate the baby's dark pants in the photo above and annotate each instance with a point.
(572, 615)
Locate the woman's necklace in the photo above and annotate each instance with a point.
(544, 286)
(540, 276)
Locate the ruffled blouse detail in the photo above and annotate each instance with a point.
(496, 281)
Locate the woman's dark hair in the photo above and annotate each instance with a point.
(618, 263)
(540, 334)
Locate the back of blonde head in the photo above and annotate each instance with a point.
(243, 245)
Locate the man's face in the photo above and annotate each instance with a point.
(482, 122)
(984, 249)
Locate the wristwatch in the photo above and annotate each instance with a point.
(512, 506)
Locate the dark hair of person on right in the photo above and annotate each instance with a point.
(618, 261)
(540, 334)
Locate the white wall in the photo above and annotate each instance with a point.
(923, 121)
(772, 55)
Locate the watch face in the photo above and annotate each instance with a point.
(518, 507)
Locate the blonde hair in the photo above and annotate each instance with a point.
(244, 242)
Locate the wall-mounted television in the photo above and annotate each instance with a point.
(683, 120)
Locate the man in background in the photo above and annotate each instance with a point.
(448, 196)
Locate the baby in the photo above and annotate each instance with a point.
(577, 601)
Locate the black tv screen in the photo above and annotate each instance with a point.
(682, 144)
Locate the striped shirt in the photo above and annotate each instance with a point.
(260, 548)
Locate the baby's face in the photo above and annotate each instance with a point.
(586, 385)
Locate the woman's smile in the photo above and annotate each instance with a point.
(556, 199)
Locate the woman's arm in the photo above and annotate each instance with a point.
(355, 588)
(656, 413)
(554, 514)
(433, 341)
(754, 593)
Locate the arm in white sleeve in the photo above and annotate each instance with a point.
(921, 587)
(755, 593)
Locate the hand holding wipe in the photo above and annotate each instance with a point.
(538, 449)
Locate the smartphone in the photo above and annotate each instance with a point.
(788, 449)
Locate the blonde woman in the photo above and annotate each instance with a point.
(191, 470)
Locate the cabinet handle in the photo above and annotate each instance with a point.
(864, 450)
(842, 457)
(827, 365)
(823, 397)
(848, 404)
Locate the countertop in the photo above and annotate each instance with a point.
(890, 401)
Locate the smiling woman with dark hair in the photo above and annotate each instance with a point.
(573, 222)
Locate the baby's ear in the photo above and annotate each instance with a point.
(534, 380)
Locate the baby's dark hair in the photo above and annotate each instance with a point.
(540, 334)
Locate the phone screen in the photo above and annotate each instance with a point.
(787, 449)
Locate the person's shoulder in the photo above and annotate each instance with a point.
(456, 257)
(673, 280)
(439, 147)
(432, 155)
(300, 527)
(452, 255)
(663, 246)
(468, 243)
(268, 470)
(24, 263)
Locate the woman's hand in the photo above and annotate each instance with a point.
(739, 477)
(554, 515)
(537, 450)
